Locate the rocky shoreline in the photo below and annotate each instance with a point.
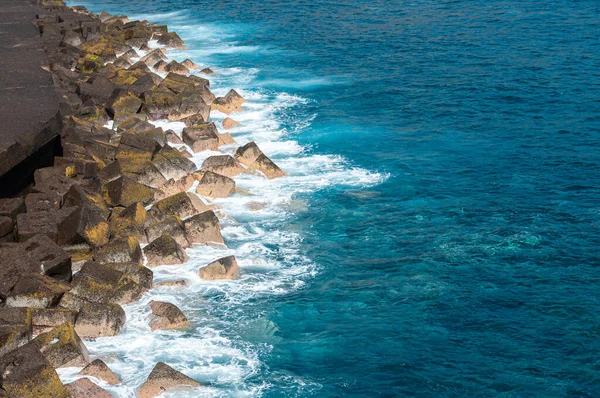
(72, 243)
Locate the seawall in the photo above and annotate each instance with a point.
(29, 108)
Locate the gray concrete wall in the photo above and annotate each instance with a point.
(29, 110)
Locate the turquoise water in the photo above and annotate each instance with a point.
(439, 234)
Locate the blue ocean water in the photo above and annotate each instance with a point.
(439, 234)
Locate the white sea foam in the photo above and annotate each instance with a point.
(218, 350)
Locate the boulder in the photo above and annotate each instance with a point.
(42, 202)
(182, 205)
(98, 283)
(215, 185)
(175, 283)
(191, 101)
(6, 227)
(98, 88)
(176, 67)
(201, 137)
(124, 192)
(189, 64)
(193, 120)
(160, 66)
(203, 228)
(97, 368)
(83, 167)
(171, 39)
(122, 250)
(167, 316)
(142, 171)
(27, 374)
(207, 71)
(170, 225)
(42, 223)
(124, 105)
(10, 207)
(173, 187)
(99, 320)
(85, 388)
(267, 167)
(251, 156)
(226, 139)
(223, 164)
(229, 123)
(130, 221)
(38, 255)
(173, 138)
(62, 347)
(164, 251)
(15, 328)
(45, 319)
(35, 291)
(223, 268)
(172, 164)
(165, 378)
(83, 225)
(231, 102)
(248, 153)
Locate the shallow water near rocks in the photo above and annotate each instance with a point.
(438, 234)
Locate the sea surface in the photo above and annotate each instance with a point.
(439, 231)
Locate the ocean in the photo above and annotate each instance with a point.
(438, 234)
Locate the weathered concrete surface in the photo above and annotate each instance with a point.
(29, 110)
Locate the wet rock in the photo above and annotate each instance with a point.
(182, 205)
(164, 251)
(153, 57)
(201, 137)
(173, 138)
(97, 368)
(27, 374)
(191, 101)
(45, 319)
(267, 167)
(251, 156)
(248, 153)
(173, 187)
(99, 320)
(207, 71)
(85, 388)
(165, 378)
(223, 268)
(229, 123)
(167, 316)
(189, 64)
(176, 67)
(171, 39)
(185, 152)
(231, 102)
(215, 185)
(172, 164)
(62, 347)
(122, 250)
(203, 228)
(35, 291)
(176, 283)
(124, 192)
(226, 139)
(171, 226)
(223, 164)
